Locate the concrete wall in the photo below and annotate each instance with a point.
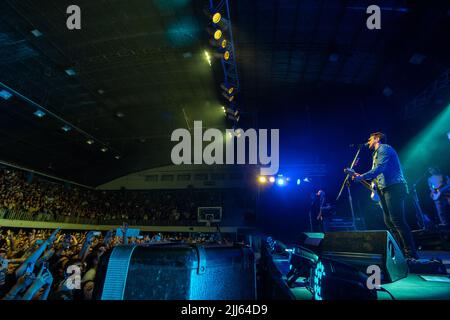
(182, 176)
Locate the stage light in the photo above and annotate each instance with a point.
(448, 135)
(226, 55)
(216, 17)
(228, 97)
(39, 113)
(299, 181)
(222, 44)
(5, 94)
(232, 113)
(208, 57)
(70, 72)
(104, 149)
(66, 128)
(229, 89)
(36, 33)
(90, 141)
(280, 181)
(262, 179)
(217, 34)
(272, 179)
(117, 157)
(306, 180)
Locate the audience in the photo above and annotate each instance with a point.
(41, 264)
(22, 197)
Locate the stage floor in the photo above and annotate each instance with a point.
(413, 287)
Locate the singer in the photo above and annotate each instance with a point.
(388, 176)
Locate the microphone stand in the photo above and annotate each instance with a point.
(346, 183)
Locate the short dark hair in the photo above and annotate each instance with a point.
(380, 136)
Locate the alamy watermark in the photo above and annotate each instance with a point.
(236, 151)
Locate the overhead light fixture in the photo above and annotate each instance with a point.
(229, 98)
(226, 55)
(272, 179)
(232, 111)
(39, 113)
(228, 88)
(66, 128)
(221, 43)
(36, 33)
(104, 149)
(217, 34)
(70, 72)
(208, 57)
(90, 141)
(233, 115)
(5, 94)
(216, 17)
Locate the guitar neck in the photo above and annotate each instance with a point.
(366, 184)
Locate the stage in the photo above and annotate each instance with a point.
(413, 287)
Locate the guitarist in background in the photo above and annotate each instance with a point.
(388, 176)
(440, 193)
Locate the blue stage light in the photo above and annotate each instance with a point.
(39, 113)
(280, 181)
(5, 94)
(299, 181)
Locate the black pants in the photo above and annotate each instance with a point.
(392, 200)
(443, 209)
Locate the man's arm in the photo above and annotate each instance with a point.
(383, 157)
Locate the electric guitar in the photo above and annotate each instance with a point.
(437, 192)
(370, 186)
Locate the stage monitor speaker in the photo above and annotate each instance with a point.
(364, 248)
(176, 272)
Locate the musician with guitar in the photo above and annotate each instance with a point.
(440, 193)
(392, 189)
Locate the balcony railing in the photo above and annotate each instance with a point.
(48, 217)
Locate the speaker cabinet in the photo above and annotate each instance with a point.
(364, 248)
(176, 272)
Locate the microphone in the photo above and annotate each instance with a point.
(353, 145)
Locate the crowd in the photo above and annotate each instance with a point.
(24, 196)
(45, 264)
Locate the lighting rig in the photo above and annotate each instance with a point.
(221, 40)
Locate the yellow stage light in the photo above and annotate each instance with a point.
(217, 34)
(216, 17)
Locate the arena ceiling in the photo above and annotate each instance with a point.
(140, 72)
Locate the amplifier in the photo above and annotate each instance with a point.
(176, 272)
(364, 248)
